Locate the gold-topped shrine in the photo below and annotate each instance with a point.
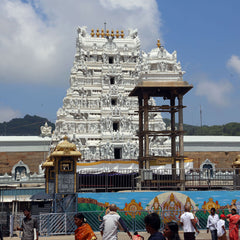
(60, 168)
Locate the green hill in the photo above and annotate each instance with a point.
(229, 129)
(27, 126)
(30, 126)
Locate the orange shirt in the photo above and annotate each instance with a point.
(84, 232)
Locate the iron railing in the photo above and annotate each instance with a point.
(157, 179)
(63, 223)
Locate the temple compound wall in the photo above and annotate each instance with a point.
(32, 151)
(9, 159)
(219, 159)
(21, 159)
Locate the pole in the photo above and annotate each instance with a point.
(181, 146)
(173, 136)
(140, 134)
(146, 134)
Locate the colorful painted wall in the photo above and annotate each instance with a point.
(169, 204)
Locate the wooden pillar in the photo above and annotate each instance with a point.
(181, 145)
(173, 136)
(140, 136)
(146, 147)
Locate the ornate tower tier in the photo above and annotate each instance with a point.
(97, 113)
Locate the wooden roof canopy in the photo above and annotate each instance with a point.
(161, 89)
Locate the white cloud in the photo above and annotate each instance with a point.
(126, 4)
(7, 113)
(217, 93)
(37, 39)
(28, 47)
(234, 63)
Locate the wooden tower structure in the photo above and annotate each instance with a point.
(162, 78)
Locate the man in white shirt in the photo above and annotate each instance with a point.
(188, 223)
(110, 224)
(212, 224)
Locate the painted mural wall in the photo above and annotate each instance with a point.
(170, 205)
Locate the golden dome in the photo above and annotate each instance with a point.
(65, 145)
(65, 148)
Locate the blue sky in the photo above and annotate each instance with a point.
(37, 47)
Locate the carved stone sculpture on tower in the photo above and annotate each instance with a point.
(46, 131)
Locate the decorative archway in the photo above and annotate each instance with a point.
(207, 168)
(20, 171)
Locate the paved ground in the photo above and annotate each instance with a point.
(121, 236)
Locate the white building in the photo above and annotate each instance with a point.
(97, 113)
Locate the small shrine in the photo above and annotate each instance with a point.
(60, 168)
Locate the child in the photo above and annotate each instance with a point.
(221, 231)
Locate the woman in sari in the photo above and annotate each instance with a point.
(234, 220)
(83, 231)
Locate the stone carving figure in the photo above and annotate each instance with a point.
(177, 67)
(17, 175)
(46, 131)
(82, 31)
(132, 33)
(23, 173)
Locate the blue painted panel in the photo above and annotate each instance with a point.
(200, 199)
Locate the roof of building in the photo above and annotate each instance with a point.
(24, 144)
(211, 143)
(191, 143)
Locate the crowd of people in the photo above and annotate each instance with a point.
(112, 222)
(217, 226)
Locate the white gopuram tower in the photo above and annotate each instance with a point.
(97, 113)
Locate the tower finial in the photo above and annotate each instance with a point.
(105, 26)
(92, 33)
(122, 34)
(158, 43)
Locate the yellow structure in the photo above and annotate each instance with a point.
(107, 33)
(236, 163)
(60, 168)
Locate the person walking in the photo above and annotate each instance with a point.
(188, 223)
(84, 230)
(152, 225)
(28, 226)
(212, 223)
(110, 224)
(234, 220)
(170, 231)
(221, 231)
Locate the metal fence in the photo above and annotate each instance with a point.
(63, 223)
(157, 179)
